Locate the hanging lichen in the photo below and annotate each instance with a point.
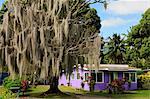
(38, 33)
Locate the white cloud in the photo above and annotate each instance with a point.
(113, 22)
(125, 7)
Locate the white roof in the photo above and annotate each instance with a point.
(111, 67)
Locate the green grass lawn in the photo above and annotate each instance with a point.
(36, 92)
(139, 94)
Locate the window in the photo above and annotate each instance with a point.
(78, 75)
(93, 75)
(115, 75)
(133, 77)
(130, 76)
(99, 77)
(86, 76)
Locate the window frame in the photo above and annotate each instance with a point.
(96, 76)
(130, 76)
(85, 76)
(102, 77)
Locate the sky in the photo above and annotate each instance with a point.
(119, 16)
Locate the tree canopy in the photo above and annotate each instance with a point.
(134, 49)
(139, 43)
(114, 50)
(43, 34)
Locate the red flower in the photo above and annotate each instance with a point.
(89, 77)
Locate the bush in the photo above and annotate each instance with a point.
(8, 83)
(21, 84)
(116, 86)
(144, 81)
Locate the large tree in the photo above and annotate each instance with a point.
(43, 34)
(138, 39)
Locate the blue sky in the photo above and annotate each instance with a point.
(1, 1)
(119, 16)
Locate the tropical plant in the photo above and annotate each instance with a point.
(115, 50)
(116, 86)
(8, 83)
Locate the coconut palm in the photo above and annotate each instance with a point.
(115, 50)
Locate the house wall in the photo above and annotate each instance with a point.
(120, 75)
(103, 86)
(76, 83)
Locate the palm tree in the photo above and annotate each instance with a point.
(115, 50)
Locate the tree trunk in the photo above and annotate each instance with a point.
(53, 86)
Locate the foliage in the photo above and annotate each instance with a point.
(116, 86)
(134, 50)
(144, 80)
(24, 85)
(8, 83)
(5, 69)
(138, 41)
(38, 36)
(91, 85)
(3, 9)
(6, 94)
(114, 50)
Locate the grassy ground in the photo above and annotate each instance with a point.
(139, 94)
(6, 94)
(36, 92)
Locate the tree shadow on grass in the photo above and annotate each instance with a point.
(53, 96)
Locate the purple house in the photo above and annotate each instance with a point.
(102, 75)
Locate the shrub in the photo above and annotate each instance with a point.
(8, 83)
(144, 81)
(24, 85)
(116, 86)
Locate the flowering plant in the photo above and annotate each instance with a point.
(116, 86)
(24, 85)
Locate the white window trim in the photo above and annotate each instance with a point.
(84, 76)
(102, 77)
(130, 76)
